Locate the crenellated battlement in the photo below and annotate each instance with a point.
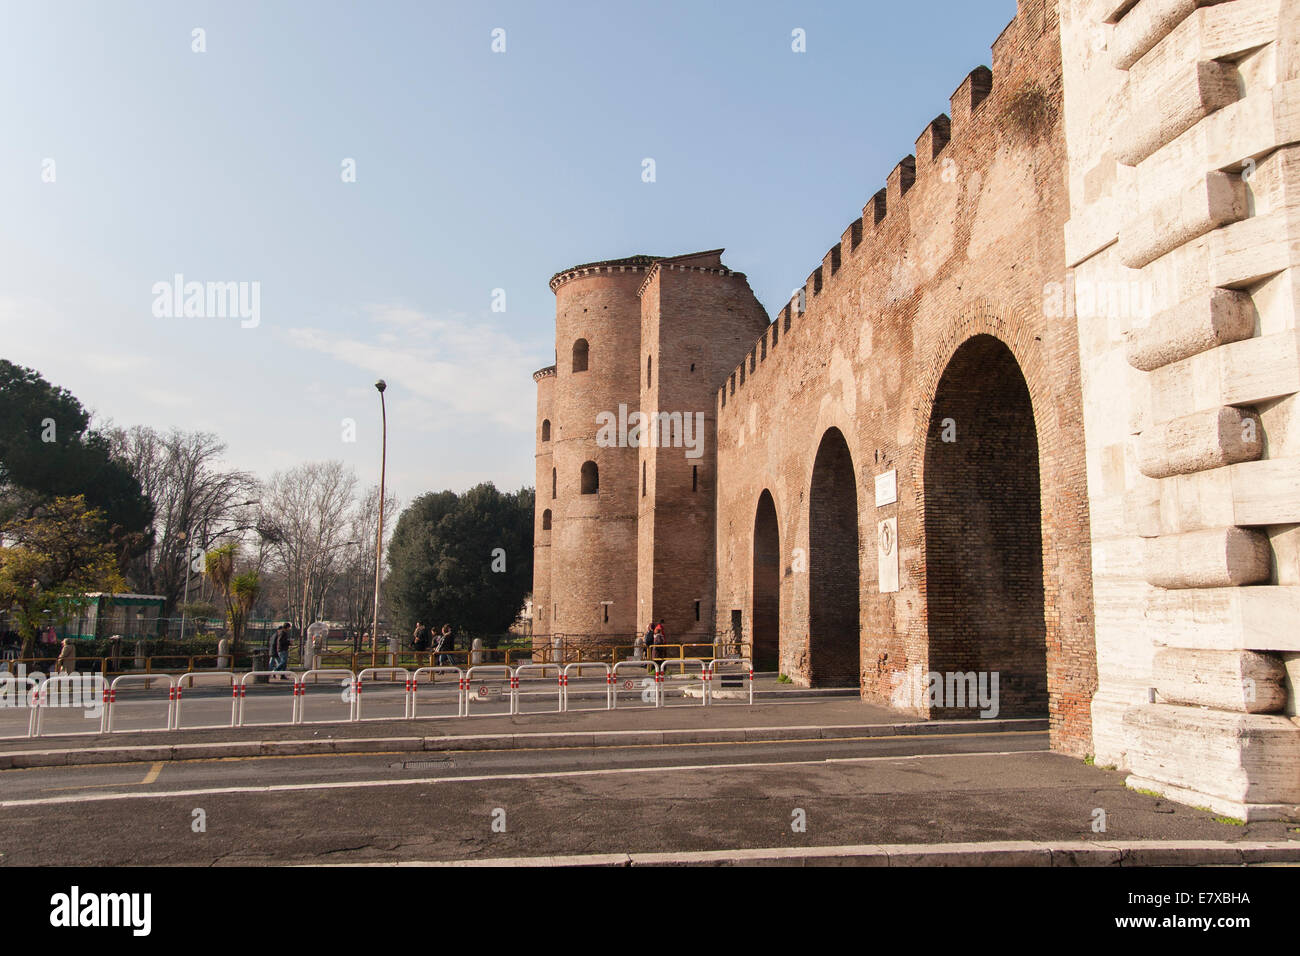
(638, 263)
(970, 124)
(541, 373)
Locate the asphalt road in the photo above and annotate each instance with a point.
(494, 804)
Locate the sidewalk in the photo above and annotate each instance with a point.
(835, 717)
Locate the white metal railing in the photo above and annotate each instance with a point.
(649, 679)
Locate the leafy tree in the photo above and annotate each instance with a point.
(52, 560)
(48, 450)
(464, 560)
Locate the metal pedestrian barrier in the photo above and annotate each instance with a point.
(668, 683)
(587, 682)
(636, 684)
(731, 680)
(438, 695)
(534, 686)
(205, 686)
(487, 688)
(262, 697)
(137, 709)
(17, 706)
(63, 704)
(332, 691)
(399, 677)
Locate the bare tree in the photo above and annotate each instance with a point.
(197, 502)
(308, 511)
(358, 579)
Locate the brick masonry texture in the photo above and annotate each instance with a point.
(931, 307)
(944, 341)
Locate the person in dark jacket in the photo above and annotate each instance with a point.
(446, 644)
(421, 637)
(280, 644)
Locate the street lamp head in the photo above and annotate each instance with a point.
(381, 385)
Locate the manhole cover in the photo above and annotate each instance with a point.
(433, 764)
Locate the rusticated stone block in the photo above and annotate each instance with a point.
(1174, 108)
(1216, 201)
(1217, 558)
(1243, 681)
(1200, 441)
(1244, 758)
(1145, 25)
(1190, 328)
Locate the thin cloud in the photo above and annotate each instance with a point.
(460, 366)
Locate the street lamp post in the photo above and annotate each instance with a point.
(381, 385)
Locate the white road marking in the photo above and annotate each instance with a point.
(482, 778)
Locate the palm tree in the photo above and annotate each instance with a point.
(239, 590)
(244, 589)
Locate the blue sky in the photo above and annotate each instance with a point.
(475, 171)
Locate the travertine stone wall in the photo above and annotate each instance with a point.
(1183, 132)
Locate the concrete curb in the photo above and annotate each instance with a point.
(1134, 853)
(153, 753)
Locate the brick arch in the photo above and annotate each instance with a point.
(834, 565)
(765, 584)
(985, 578)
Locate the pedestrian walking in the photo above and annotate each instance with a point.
(67, 661)
(421, 638)
(280, 644)
(446, 644)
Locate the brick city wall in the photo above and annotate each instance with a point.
(958, 247)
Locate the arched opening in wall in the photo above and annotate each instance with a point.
(546, 430)
(590, 478)
(766, 613)
(546, 520)
(553, 483)
(983, 536)
(580, 351)
(833, 637)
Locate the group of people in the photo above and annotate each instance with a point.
(654, 636)
(441, 642)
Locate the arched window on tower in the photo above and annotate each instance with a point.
(546, 520)
(546, 430)
(590, 478)
(580, 351)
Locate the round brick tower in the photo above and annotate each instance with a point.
(544, 510)
(593, 561)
